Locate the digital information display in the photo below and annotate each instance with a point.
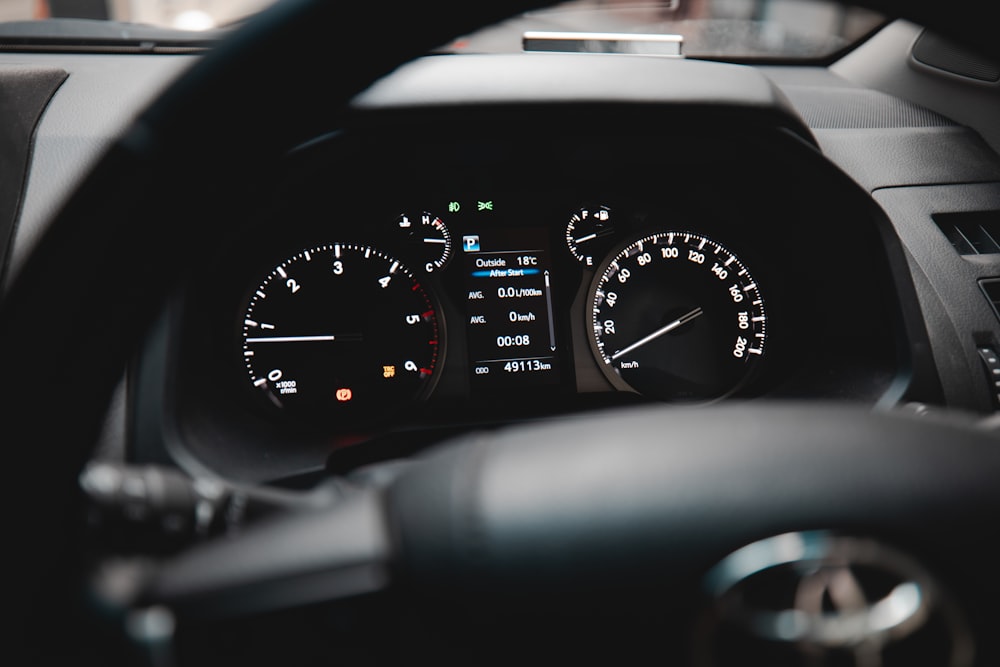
(511, 333)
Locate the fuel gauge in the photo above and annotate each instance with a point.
(587, 233)
(428, 239)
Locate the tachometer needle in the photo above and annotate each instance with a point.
(343, 338)
(683, 319)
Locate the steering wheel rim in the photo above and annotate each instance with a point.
(202, 138)
(63, 385)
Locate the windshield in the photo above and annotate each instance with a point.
(717, 29)
(194, 15)
(714, 29)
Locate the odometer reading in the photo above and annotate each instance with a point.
(676, 315)
(511, 329)
(340, 330)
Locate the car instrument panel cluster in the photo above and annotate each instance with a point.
(350, 327)
(419, 285)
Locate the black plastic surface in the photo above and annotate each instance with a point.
(549, 80)
(24, 93)
(958, 317)
(948, 56)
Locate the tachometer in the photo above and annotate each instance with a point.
(340, 330)
(676, 315)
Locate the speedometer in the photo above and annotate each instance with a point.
(676, 315)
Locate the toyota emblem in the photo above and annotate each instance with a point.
(816, 598)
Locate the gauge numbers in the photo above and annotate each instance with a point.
(428, 238)
(340, 330)
(676, 315)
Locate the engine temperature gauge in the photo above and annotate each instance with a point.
(428, 238)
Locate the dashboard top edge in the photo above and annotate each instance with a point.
(544, 85)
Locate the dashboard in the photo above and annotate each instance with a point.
(401, 283)
(529, 241)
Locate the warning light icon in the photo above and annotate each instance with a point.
(389, 371)
(344, 394)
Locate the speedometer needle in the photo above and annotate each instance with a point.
(343, 338)
(683, 319)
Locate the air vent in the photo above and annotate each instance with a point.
(991, 288)
(972, 233)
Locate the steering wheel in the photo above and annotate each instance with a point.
(546, 512)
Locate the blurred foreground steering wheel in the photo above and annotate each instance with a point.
(172, 185)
